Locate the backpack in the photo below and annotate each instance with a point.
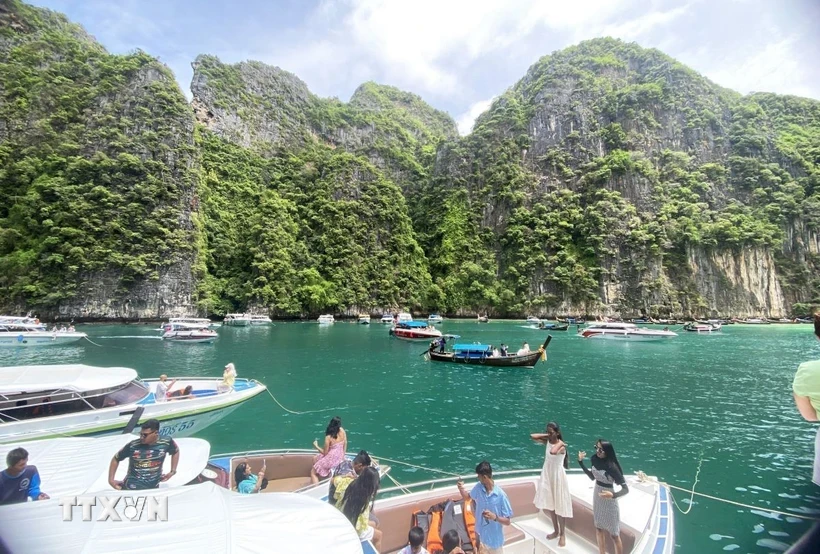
(444, 516)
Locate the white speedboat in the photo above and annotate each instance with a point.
(404, 317)
(89, 458)
(624, 331)
(237, 320)
(192, 322)
(533, 319)
(326, 319)
(175, 332)
(195, 519)
(414, 330)
(287, 470)
(386, 319)
(258, 320)
(647, 523)
(434, 318)
(28, 331)
(364, 319)
(45, 401)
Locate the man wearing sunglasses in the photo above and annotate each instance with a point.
(145, 458)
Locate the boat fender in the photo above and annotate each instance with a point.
(20, 338)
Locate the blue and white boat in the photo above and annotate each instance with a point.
(28, 331)
(46, 401)
(434, 318)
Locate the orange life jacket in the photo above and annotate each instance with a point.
(444, 516)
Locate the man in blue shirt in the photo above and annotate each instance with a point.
(492, 510)
(19, 480)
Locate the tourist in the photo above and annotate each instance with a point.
(492, 509)
(145, 458)
(247, 482)
(347, 469)
(161, 393)
(188, 392)
(451, 542)
(552, 494)
(19, 481)
(228, 378)
(442, 342)
(332, 453)
(355, 500)
(606, 471)
(415, 540)
(503, 349)
(523, 350)
(806, 387)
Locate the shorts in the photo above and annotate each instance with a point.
(367, 534)
(816, 475)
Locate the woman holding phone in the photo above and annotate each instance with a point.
(606, 472)
(333, 452)
(248, 483)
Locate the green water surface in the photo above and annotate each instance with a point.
(723, 398)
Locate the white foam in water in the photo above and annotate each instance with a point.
(731, 547)
(769, 515)
(719, 537)
(773, 544)
(778, 533)
(759, 528)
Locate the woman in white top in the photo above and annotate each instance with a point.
(552, 494)
(161, 394)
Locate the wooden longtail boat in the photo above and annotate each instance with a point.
(482, 354)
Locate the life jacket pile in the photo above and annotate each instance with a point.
(444, 516)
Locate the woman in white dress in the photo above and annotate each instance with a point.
(552, 494)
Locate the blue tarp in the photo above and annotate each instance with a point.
(412, 324)
(472, 348)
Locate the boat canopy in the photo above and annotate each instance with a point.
(472, 348)
(74, 377)
(72, 466)
(412, 324)
(200, 518)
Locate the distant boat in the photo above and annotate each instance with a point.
(404, 317)
(364, 319)
(533, 319)
(28, 331)
(483, 354)
(414, 330)
(182, 333)
(386, 319)
(702, 327)
(753, 321)
(483, 319)
(193, 322)
(260, 320)
(326, 319)
(624, 331)
(237, 320)
(434, 318)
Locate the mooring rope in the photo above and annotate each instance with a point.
(419, 467)
(402, 487)
(308, 411)
(94, 343)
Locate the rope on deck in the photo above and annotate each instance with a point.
(419, 467)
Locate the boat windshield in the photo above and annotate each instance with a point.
(34, 405)
(130, 393)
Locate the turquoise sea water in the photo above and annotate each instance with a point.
(724, 399)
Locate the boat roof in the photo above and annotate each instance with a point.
(201, 518)
(71, 466)
(413, 324)
(77, 377)
(612, 325)
(472, 347)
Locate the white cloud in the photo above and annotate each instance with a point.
(773, 68)
(467, 119)
(636, 28)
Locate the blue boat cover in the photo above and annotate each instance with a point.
(412, 324)
(472, 348)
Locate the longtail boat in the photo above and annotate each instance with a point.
(482, 354)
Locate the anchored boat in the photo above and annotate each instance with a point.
(28, 331)
(624, 331)
(44, 401)
(414, 330)
(185, 333)
(484, 354)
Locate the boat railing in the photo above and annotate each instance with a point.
(431, 484)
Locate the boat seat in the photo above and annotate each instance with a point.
(292, 471)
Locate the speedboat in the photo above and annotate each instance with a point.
(237, 320)
(624, 331)
(483, 319)
(434, 318)
(364, 319)
(414, 330)
(533, 319)
(286, 469)
(183, 333)
(43, 401)
(326, 319)
(192, 322)
(386, 319)
(647, 516)
(258, 320)
(702, 327)
(89, 458)
(195, 519)
(28, 331)
(404, 317)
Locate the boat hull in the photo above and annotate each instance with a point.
(189, 336)
(178, 418)
(625, 336)
(40, 338)
(527, 360)
(415, 334)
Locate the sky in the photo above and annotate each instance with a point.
(459, 54)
